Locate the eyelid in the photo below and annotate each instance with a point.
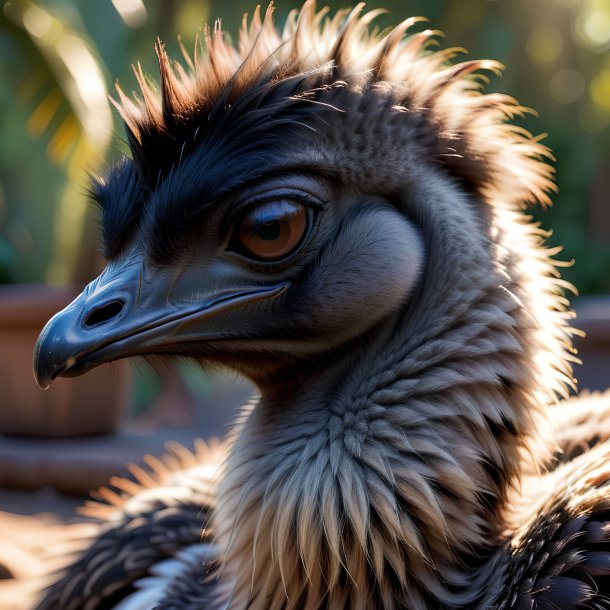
(282, 195)
(237, 211)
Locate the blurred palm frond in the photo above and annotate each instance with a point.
(53, 70)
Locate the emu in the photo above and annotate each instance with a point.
(338, 214)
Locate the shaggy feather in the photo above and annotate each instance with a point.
(172, 494)
(375, 471)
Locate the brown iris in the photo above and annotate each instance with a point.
(272, 230)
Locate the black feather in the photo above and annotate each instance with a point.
(177, 175)
(120, 198)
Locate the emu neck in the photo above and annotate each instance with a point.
(379, 481)
(369, 484)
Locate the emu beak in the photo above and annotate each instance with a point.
(125, 313)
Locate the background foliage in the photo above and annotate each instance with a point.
(58, 59)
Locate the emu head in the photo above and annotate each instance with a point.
(285, 199)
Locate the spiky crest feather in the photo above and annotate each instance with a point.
(475, 141)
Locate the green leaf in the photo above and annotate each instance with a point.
(54, 71)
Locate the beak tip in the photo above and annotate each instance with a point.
(43, 385)
(44, 372)
(44, 379)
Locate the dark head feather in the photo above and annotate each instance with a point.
(223, 119)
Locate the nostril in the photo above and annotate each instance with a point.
(105, 313)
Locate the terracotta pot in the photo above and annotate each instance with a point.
(91, 404)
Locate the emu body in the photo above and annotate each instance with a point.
(337, 214)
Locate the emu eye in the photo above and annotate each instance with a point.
(272, 230)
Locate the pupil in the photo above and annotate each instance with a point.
(269, 231)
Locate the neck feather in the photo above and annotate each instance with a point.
(379, 483)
